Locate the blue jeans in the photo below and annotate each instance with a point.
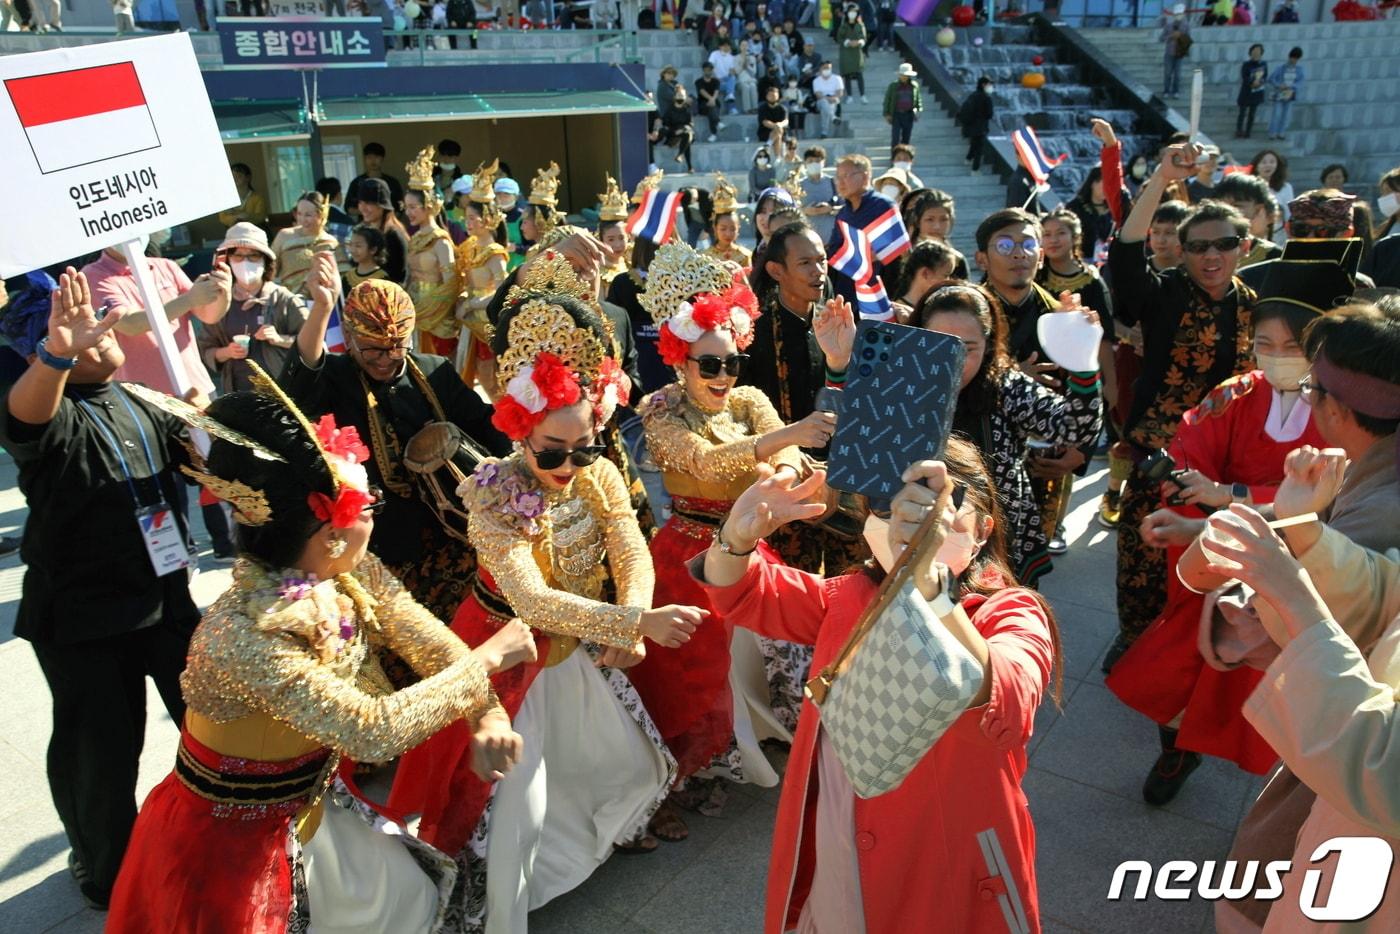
(726, 86)
(1171, 81)
(1278, 123)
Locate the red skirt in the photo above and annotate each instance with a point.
(439, 346)
(1163, 675)
(211, 861)
(435, 778)
(686, 690)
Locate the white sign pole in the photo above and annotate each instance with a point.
(1198, 90)
(155, 316)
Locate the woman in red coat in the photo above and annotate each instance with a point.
(953, 847)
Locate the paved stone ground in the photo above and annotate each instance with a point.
(1087, 764)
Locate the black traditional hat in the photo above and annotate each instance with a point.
(1317, 285)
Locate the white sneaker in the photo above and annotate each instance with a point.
(864, 99)
(711, 138)
(720, 125)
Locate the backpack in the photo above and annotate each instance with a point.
(1181, 45)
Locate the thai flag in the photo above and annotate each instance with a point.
(887, 236)
(1032, 155)
(86, 115)
(655, 217)
(852, 260)
(335, 337)
(872, 302)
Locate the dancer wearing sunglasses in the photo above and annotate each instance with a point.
(558, 546)
(708, 435)
(1196, 334)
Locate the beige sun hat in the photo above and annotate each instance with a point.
(246, 234)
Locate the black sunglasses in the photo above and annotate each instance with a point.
(1221, 244)
(709, 364)
(553, 458)
(1313, 231)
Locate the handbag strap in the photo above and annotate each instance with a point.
(923, 542)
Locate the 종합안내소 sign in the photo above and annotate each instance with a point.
(302, 42)
(104, 143)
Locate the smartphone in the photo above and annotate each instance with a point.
(897, 407)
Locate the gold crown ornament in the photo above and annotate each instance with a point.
(250, 506)
(420, 179)
(725, 198)
(483, 193)
(613, 203)
(679, 273)
(544, 190)
(651, 183)
(550, 273)
(542, 326)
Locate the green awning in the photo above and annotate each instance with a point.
(478, 106)
(261, 121)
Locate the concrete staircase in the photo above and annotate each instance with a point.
(1351, 68)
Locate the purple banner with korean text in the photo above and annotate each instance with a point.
(302, 42)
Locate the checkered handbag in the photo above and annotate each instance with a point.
(901, 680)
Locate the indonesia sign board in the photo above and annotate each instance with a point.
(302, 42)
(105, 142)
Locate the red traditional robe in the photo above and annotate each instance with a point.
(1231, 437)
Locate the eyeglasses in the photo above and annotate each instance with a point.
(375, 354)
(1312, 231)
(1006, 246)
(1308, 389)
(553, 458)
(709, 364)
(1221, 244)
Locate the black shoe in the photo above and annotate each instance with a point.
(94, 896)
(9, 545)
(1115, 652)
(1170, 771)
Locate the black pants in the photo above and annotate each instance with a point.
(681, 139)
(854, 79)
(711, 113)
(901, 127)
(974, 151)
(99, 727)
(1244, 120)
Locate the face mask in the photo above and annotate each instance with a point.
(1388, 204)
(1282, 373)
(1139, 171)
(904, 164)
(248, 272)
(505, 204)
(891, 192)
(814, 170)
(762, 163)
(826, 72)
(852, 16)
(957, 552)
(448, 166)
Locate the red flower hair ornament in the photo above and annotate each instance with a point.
(535, 391)
(733, 310)
(346, 454)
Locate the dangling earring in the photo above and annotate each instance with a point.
(336, 547)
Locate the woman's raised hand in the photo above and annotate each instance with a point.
(770, 503)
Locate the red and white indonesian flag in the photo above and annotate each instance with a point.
(86, 115)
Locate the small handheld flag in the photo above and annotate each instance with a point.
(1032, 155)
(855, 260)
(335, 337)
(655, 217)
(887, 236)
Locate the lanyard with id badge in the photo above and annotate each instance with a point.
(165, 546)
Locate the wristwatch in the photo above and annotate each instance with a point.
(1239, 492)
(728, 549)
(41, 350)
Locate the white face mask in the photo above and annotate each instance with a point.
(814, 170)
(248, 272)
(1282, 373)
(762, 163)
(957, 551)
(1388, 204)
(891, 192)
(852, 15)
(904, 164)
(448, 166)
(826, 72)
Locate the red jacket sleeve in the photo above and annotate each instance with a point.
(772, 599)
(1111, 161)
(1022, 656)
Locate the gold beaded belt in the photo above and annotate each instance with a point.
(261, 789)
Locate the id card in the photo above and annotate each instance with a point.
(164, 544)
